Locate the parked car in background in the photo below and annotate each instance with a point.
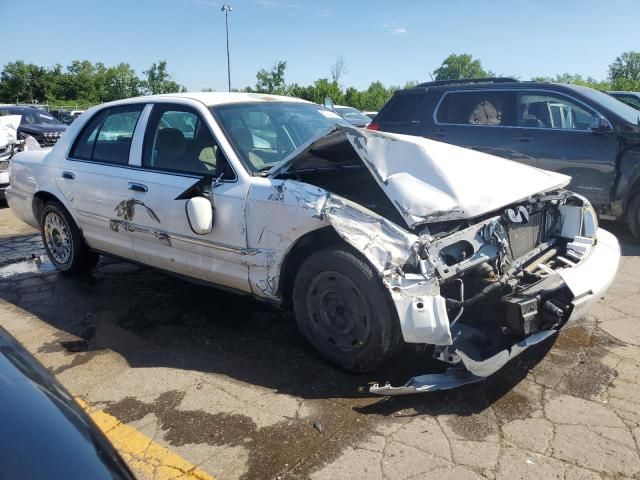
(46, 435)
(63, 115)
(371, 238)
(570, 129)
(37, 123)
(370, 114)
(630, 98)
(352, 115)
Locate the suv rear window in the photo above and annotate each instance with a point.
(489, 108)
(403, 107)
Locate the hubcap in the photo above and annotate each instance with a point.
(339, 312)
(57, 238)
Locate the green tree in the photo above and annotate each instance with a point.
(159, 81)
(575, 79)
(321, 89)
(120, 81)
(272, 81)
(23, 82)
(79, 81)
(456, 67)
(624, 72)
(375, 96)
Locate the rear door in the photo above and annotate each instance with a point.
(553, 128)
(94, 177)
(476, 119)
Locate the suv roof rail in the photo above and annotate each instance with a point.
(469, 80)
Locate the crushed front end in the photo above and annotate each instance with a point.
(482, 291)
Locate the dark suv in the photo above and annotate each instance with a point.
(570, 129)
(37, 123)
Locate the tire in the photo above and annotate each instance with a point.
(633, 215)
(63, 241)
(344, 311)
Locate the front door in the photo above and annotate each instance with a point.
(554, 129)
(179, 152)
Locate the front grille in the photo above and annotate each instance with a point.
(525, 237)
(4, 165)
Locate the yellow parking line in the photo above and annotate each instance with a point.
(145, 457)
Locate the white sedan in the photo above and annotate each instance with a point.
(373, 239)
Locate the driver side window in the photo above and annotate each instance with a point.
(179, 140)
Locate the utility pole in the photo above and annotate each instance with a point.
(226, 8)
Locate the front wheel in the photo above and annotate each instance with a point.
(344, 311)
(63, 241)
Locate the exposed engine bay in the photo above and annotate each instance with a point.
(500, 279)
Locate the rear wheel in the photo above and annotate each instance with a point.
(63, 241)
(344, 311)
(633, 215)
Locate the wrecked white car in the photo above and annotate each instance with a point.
(373, 239)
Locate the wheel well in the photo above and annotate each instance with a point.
(40, 199)
(304, 246)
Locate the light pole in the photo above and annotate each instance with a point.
(226, 8)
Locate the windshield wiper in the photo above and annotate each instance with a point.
(264, 170)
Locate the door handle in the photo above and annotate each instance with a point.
(138, 187)
(524, 138)
(68, 175)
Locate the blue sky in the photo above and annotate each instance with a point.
(391, 41)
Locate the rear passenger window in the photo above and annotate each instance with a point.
(488, 108)
(401, 108)
(107, 137)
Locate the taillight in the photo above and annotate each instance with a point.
(373, 126)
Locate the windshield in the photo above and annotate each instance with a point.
(623, 110)
(352, 115)
(630, 99)
(264, 133)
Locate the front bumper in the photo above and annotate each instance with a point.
(587, 281)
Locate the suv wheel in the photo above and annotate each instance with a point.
(633, 215)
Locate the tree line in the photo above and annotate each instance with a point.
(81, 82)
(86, 83)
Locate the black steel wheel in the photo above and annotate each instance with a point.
(344, 311)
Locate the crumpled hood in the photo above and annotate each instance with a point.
(430, 181)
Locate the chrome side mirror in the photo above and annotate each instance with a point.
(599, 124)
(200, 215)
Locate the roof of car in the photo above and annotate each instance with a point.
(489, 84)
(220, 98)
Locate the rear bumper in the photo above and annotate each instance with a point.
(587, 281)
(21, 204)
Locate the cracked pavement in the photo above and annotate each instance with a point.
(228, 384)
